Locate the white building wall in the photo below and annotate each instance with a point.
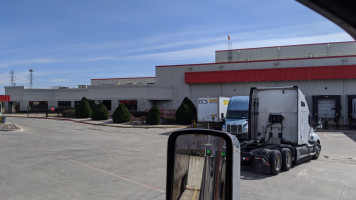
(143, 93)
(120, 81)
(175, 76)
(286, 52)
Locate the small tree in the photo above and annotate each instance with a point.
(92, 104)
(83, 110)
(184, 114)
(154, 116)
(100, 112)
(192, 107)
(121, 114)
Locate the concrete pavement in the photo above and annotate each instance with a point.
(108, 122)
(57, 159)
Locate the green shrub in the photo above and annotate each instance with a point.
(154, 116)
(92, 104)
(169, 120)
(83, 110)
(100, 112)
(184, 114)
(191, 105)
(121, 114)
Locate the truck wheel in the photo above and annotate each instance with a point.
(266, 153)
(317, 151)
(275, 161)
(286, 159)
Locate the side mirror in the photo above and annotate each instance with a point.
(311, 121)
(202, 164)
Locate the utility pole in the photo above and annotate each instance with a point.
(12, 77)
(31, 77)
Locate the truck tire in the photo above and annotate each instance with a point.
(317, 151)
(275, 161)
(266, 153)
(286, 159)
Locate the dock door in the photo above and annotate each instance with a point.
(351, 108)
(327, 107)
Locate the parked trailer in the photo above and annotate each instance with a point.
(281, 130)
(212, 109)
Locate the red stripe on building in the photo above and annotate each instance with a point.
(273, 74)
(4, 97)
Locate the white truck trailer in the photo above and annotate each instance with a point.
(212, 109)
(281, 130)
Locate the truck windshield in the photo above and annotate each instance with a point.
(237, 114)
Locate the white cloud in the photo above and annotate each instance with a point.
(59, 80)
(30, 61)
(98, 58)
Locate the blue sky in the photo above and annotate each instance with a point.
(69, 42)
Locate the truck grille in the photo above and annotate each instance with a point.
(234, 128)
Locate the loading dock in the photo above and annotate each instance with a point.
(351, 107)
(327, 108)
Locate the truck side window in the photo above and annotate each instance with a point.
(302, 104)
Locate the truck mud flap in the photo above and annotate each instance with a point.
(262, 165)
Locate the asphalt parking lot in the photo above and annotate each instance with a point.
(51, 159)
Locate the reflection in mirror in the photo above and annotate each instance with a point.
(199, 167)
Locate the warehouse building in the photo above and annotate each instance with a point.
(326, 73)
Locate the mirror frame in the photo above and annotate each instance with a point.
(232, 160)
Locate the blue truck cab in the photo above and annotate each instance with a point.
(236, 117)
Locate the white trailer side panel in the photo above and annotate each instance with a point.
(210, 108)
(223, 104)
(207, 109)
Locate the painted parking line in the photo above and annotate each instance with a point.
(110, 174)
(326, 135)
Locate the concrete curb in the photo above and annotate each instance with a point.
(99, 123)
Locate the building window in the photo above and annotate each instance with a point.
(38, 106)
(64, 104)
(76, 104)
(302, 104)
(107, 103)
(130, 104)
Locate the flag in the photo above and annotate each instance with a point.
(228, 37)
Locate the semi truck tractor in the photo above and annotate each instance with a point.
(236, 117)
(281, 130)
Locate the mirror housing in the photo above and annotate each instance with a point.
(213, 160)
(311, 122)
